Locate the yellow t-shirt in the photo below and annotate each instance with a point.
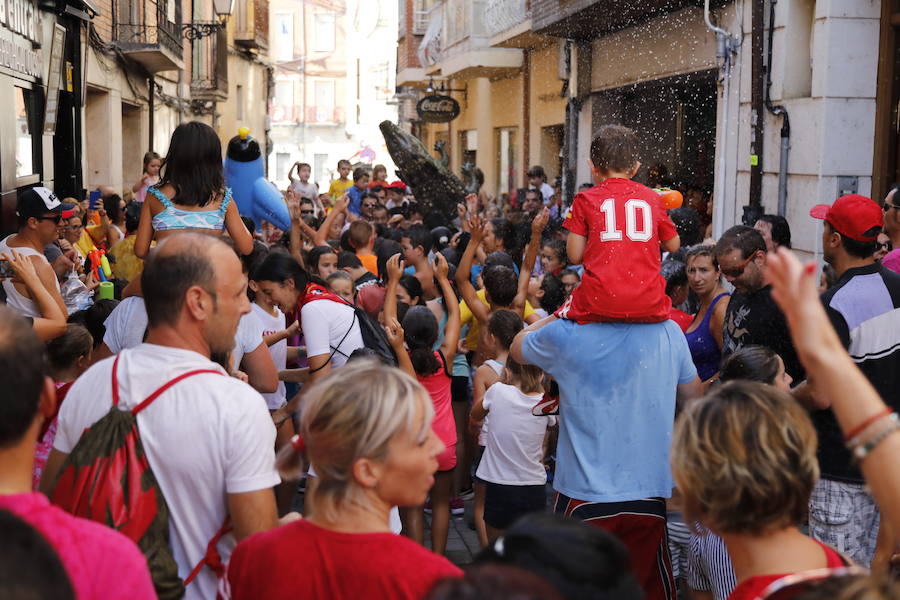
(466, 316)
(87, 243)
(127, 266)
(338, 187)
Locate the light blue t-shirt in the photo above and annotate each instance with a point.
(617, 385)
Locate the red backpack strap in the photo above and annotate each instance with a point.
(163, 388)
(115, 380)
(212, 558)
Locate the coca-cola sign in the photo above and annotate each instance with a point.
(437, 109)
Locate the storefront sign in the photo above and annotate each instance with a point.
(19, 32)
(437, 109)
(51, 104)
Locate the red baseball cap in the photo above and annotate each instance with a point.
(852, 215)
(398, 185)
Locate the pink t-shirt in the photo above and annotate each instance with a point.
(438, 386)
(891, 260)
(101, 563)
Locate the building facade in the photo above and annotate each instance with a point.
(335, 68)
(98, 83)
(706, 92)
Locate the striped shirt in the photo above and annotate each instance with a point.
(864, 307)
(709, 566)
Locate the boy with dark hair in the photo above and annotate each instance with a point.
(358, 190)
(537, 180)
(362, 277)
(616, 229)
(361, 236)
(417, 244)
(342, 183)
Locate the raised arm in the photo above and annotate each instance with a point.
(144, 233)
(52, 322)
(395, 336)
(293, 205)
(395, 272)
(463, 271)
(243, 239)
(451, 305)
(340, 206)
(853, 399)
(531, 252)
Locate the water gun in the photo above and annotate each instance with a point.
(670, 198)
(100, 265)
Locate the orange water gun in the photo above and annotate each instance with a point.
(670, 198)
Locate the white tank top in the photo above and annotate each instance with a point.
(15, 300)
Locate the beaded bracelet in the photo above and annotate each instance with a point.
(861, 428)
(862, 450)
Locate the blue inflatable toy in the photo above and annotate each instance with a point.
(256, 197)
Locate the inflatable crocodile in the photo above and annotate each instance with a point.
(433, 185)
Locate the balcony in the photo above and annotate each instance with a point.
(590, 19)
(149, 33)
(323, 115)
(286, 115)
(462, 48)
(209, 67)
(251, 24)
(508, 24)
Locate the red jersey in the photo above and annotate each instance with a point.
(753, 588)
(624, 224)
(683, 319)
(302, 560)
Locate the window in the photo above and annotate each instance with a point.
(284, 93)
(170, 10)
(239, 103)
(324, 91)
(323, 32)
(27, 143)
(319, 162)
(284, 36)
(282, 164)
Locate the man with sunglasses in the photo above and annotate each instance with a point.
(891, 223)
(752, 317)
(864, 308)
(39, 213)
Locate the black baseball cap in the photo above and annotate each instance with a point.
(38, 201)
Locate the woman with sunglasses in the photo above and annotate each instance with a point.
(891, 259)
(704, 334)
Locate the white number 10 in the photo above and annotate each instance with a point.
(636, 230)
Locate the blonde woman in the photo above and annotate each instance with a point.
(744, 459)
(367, 431)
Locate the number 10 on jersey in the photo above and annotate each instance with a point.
(638, 221)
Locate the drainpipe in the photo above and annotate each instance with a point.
(778, 111)
(726, 47)
(151, 106)
(757, 112)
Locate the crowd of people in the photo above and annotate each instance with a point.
(201, 406)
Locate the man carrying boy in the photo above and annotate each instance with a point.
(619, 362)
(342, 183)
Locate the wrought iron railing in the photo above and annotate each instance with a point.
(209, 64)
(147, 23)
(503, 15)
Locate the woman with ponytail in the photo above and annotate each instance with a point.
(368, 432)
(328, 322)
(431, 368)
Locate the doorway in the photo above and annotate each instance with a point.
(886, 168)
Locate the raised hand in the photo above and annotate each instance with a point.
(394, 332)
(342, 203)
(22, 267)
(540, 222)
(394, 268)
(476, 227)
(441, 268)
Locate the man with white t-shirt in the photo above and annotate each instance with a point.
(209, 439)
(126, 327)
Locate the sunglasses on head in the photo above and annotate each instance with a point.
(739, 270)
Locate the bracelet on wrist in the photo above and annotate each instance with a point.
(854, 433)
(863, 449)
